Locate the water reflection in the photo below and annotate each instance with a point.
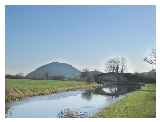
(87, 94)
(123, 88)
(111, 90)
(114, 91)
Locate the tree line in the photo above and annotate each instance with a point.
(113, 65)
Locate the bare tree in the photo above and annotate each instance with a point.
(111, 65)
(116, 64)
(123, 64)
(151, 59)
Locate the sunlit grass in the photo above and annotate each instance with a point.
(140, 103)
(17, 89)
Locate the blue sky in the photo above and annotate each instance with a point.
(84, 36)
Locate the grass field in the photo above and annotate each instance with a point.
(140, 103)
(17, 89)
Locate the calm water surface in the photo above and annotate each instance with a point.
(51, 105)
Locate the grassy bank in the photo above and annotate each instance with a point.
(140, 103)
(17, 89)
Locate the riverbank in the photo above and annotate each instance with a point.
(17, 89)
(141, 103)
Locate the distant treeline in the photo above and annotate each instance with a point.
(24, 77)
(149, 77)
(93, 76)
(15, 76)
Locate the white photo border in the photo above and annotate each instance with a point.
(4, 3)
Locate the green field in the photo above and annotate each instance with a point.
(140, 103)
(17, 89)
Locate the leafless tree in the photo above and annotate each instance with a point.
(116, 64)
(123, 63)
(151, 59)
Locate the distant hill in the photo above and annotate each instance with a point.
(54, 70)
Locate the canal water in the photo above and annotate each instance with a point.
(87, 101)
